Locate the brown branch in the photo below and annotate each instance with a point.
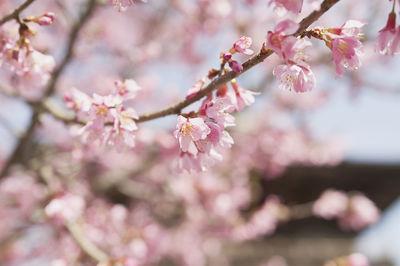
(228, 76)
(255, 60)
(16, 12)
(37, 107)
(70, 47)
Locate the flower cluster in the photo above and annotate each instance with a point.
(201, 135)
(353, 212)
(29, 66)
(109, 121)
(295, 74)
(282, 6)
(241, 46)
(344, 43)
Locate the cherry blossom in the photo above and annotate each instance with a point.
(190, 130)
(281, 31)
(331, 204)
(31, 67)
(361, 213)
(281, 6)
(99, 190)
(345, 44)
(295, 77)
(242, 46)
(385, 41)
(242, 97)
(127, 89)
(43, 20)
(68, 207)
(353, 212)
(219, 110)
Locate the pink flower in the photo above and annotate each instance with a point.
(361, 213)
(125, 119)
(68, 207)
(31, 68)
(281, 6)
(243, 97)
(212, 139)
(296, 77)
(396, 42)
(43, 20)
(189, 130)
(195, 89)
(119, 138)
(93, 131)
(384, 43)
(190, 162)
(219, 109)
(293, 50)
(103, 110)
(242, 46)
(101, 107)
(281, 32)
(345, 44)
(346, 52)
(127, 89)
(77, 100)
(331, 204)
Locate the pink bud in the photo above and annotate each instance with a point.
(43, 20)
(227, 56)
(235, 66)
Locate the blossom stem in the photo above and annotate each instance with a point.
(16, 12)
(394, 6)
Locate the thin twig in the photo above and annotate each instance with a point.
(228, 76)
(16, 12)
(256, 59)
(88, 247)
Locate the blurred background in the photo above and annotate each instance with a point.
(344, 135)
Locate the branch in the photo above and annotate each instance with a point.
(38, 106)
(255, 60)
(16, 12)
(88, 247)
(228, 76)
(70, 47)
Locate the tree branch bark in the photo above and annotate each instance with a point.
(255, 60)
(16, 12)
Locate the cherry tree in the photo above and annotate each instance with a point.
(219, 79)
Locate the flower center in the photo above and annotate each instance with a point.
(186, 129)
(102, 110)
